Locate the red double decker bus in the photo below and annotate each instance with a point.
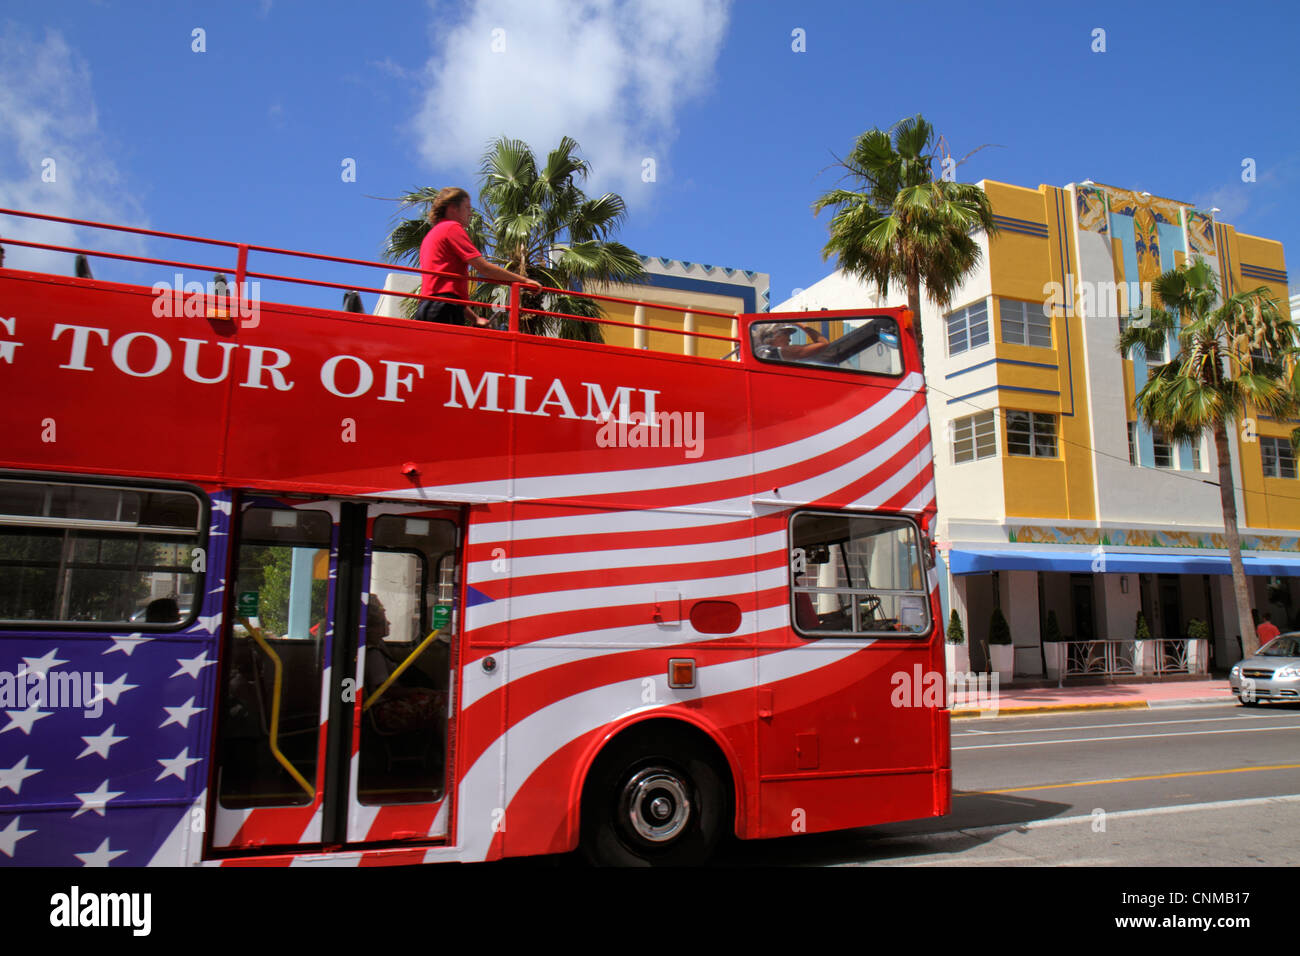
(295, 585)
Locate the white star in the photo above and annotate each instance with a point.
(208, 624)
(23, 719)
(127, 643)
(111, 692)
(222, 505)
(101, 744)
(177, 766)
(97, 800)
(193, 665)
(101, 856)
(182, 714)
(39, 665)
(13, 778)
(11, 835)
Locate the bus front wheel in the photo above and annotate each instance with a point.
(648, 803)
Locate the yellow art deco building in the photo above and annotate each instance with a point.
(1054, 501)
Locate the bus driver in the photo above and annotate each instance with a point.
(778, 336)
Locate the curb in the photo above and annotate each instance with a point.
(1106, 705)
(1050, 708)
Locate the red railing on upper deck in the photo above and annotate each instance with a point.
(242, 274)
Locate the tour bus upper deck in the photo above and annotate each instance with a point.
(302, 398)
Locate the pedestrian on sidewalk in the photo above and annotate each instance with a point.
(1268, 630)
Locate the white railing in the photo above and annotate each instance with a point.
(1180, 656)
(1099, 658)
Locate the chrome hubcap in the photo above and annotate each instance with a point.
(656, 804)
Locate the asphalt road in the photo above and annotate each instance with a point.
(1205, 785)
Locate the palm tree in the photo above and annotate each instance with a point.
(901, 223)
(538, 222)
(1215, 380)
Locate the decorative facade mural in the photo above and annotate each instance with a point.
(1200, 233)
(1146, 243)
(1090, 209)
(1125, 202)
(1144, 538)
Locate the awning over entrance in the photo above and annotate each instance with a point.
(979, 561)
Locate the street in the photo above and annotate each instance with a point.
(1202, 785)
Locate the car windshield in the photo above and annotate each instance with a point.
(1279, 647)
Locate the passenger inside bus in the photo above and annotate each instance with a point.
(162, 611)
(863, 343)
(778, 337)
(404, 707)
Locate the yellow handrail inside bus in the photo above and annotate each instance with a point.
(397, 671)
(256, 633)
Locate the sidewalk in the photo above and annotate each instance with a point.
(1013, 700)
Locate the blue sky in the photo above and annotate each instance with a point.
(247, 139)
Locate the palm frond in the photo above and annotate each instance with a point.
(896, 222)
(539, 222)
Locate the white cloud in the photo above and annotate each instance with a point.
(1232, 201)
(612, 74)
(47, 112)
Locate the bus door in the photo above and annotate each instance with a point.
(335, 707)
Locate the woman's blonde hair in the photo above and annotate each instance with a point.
(447, 196)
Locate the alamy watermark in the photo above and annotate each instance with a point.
(74, 908)
(921, 688)
(661, 430)
(55, 691)
(1131, 300)
(216, 299)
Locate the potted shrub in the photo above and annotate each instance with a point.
(958, 654)
(1001, 650)
(1144, 649)
(1197, 652)
(1053, 649)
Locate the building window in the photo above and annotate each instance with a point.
(968, 328)
(1164, 451)
(1032, 434)
(1023, 323)
(1196, 454)
(1279, 459)
(1132, 443)
(974, 437)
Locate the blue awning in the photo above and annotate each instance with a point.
(979, 561)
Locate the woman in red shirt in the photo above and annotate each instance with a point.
(447, 248)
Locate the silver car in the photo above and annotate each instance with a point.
(1272, 674)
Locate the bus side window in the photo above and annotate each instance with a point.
(132, 566)
(857, 574)
(869, 343)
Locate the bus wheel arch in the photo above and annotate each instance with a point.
(661, 792)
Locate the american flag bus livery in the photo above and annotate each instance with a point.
(291, 585)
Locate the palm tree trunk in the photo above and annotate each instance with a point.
(914, 303)
(1241, 593)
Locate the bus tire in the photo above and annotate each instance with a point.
(653, 801)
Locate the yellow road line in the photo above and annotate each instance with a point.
(1155, 776)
